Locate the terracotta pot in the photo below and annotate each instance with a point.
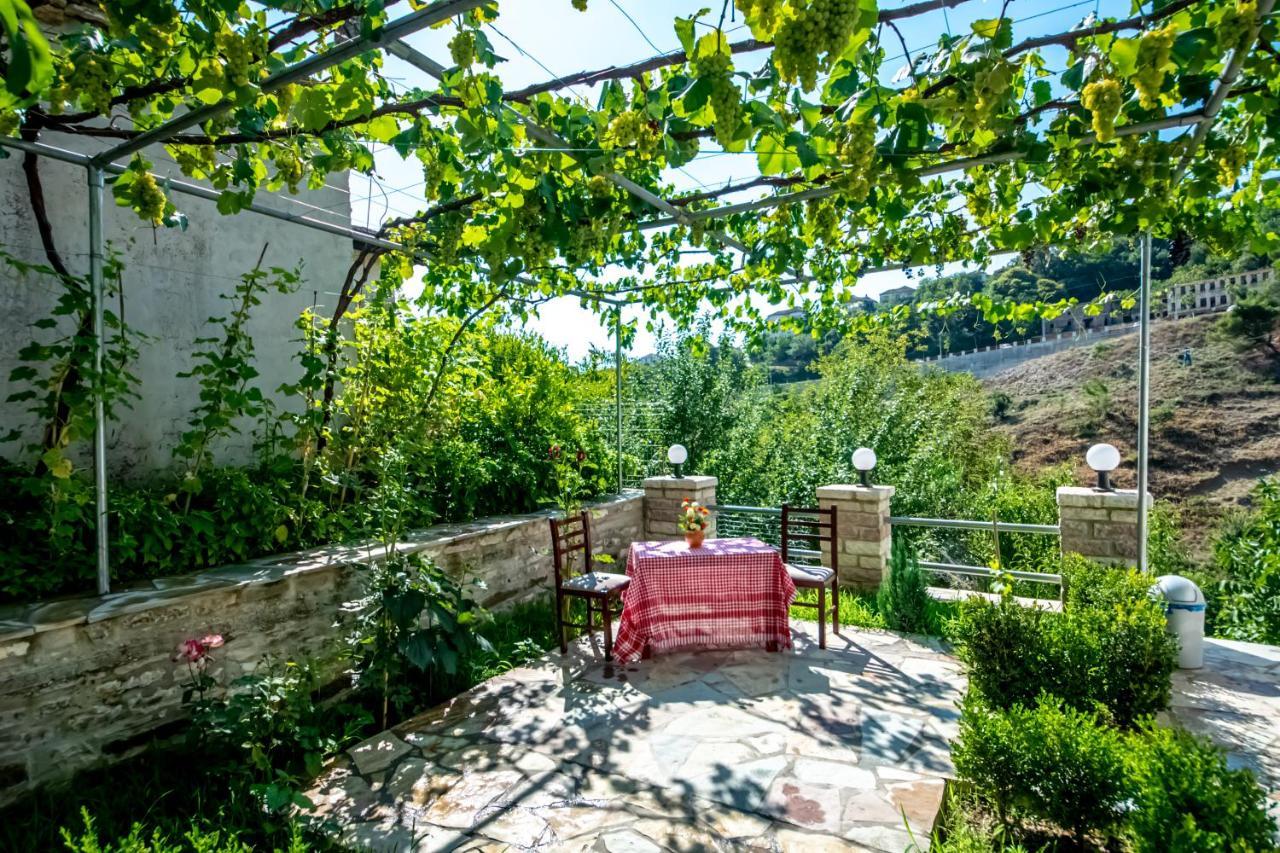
(695, 537)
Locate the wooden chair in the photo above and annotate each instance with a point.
(814, 526)
(570, 537)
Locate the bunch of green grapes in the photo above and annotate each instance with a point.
(288, 167)
(462, 47)
(285, 97)
(1155, 48)
(89, 82)
(237, 56)
(580, 5)
(148, 199)
(822, 27)
(822, 219)
(1231, 161)
(632, 129)
(855, 146)
(598, 187)
(1103, 99)
(198, 161)
(991, 86)
(726, 98)
(1237, 23)
(9, 122)
(762, 15)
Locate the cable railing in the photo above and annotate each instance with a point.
(763, 523)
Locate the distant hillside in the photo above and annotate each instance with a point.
(1215, 426)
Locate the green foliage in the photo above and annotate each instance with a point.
(1187, 798)
(413, 628)
(1248, 554)
(1088, 584)
(1001, 406)
(225, 373)
(1048, 761)
(903, 599)
(1109, 647)
(269, 731)
(195, 840)
(1252, 321)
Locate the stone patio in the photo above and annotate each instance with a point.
(843, 749)
(808, 750)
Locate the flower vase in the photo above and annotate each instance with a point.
(695, 537)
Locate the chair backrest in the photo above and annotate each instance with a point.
(570, 536)
(812, 526)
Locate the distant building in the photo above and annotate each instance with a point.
(898, 295)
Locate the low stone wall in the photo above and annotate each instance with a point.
(88, 681)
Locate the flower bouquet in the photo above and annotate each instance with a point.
(693, 521)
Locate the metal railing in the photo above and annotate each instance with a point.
(996, 527)
(762, 522)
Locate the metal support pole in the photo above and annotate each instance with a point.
(1144, 394)
(96, 181)
(617, 386)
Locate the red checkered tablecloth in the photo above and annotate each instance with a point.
(729, 593)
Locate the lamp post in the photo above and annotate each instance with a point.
(864, 460)
(1103, 459)
(677, 455)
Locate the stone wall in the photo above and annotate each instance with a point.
(88, 681)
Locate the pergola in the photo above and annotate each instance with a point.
(390, 38)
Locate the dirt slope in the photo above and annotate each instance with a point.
(1215, 426)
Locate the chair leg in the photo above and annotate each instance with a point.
(608, 632)
(564, 647)
(835, 607)
(822, 617)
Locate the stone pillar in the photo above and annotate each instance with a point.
(862, 532)
(662, 499)
(1099, 525)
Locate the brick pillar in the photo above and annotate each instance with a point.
(862, 531)
(1102, 526)
(662, 499)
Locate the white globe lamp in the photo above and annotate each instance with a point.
(1103, 459)
(864, 460)
(677, 455)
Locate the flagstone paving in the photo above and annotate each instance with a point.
(842, 749)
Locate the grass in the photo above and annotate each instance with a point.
(860, 609)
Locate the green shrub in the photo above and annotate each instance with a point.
(1248, 554)
(1050, 762)
(1119, 656)
(1000, 645)
(903, 599)
(1090, 584)
(1186, 798)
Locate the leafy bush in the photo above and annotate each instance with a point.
(1050, 762)
(1090, 584)
(1248, 555)
(1186, 798)
(1109, 647)
(903, 599)
(413, 618)
(270, 729)
(1001, 645)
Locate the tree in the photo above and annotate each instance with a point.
(1252, 322)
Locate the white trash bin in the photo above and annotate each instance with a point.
(1184, 612)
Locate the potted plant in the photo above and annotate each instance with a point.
(694, 518)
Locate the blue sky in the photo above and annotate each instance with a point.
(544, 38)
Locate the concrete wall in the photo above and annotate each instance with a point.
(172, 284)
(87, 681)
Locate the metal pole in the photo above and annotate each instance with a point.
(99, 344)
(1144, 394)
(617, 386)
